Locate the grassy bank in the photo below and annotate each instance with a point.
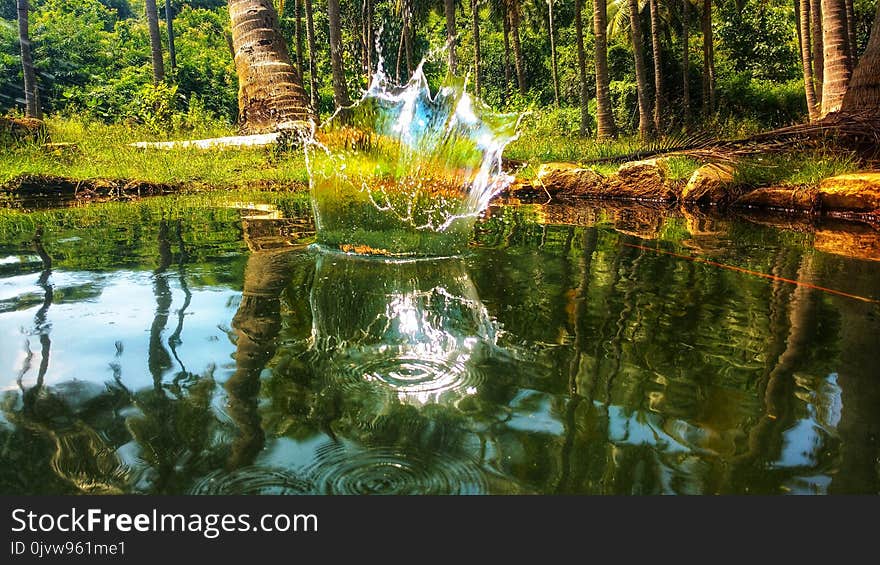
(103, 151)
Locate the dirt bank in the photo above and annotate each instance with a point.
(850, 197)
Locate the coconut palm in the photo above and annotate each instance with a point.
(554, 65)
(313, 60)
(635, 30)
(449, 12)
(817, 47)
(582, 67)
(807, 59)
(340, 90)
(658, 69)
(513, 12)
(863, 93)
(31, 93)
(708, 60)
(155, 41)
(686, 61)
(604, 118)
(838, 68)
(169, 24)
(475, 27)
(270, 92)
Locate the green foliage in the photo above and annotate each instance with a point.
(93, 61)
(155, 106)
(770, 104)
(759, 38)
(625, 104)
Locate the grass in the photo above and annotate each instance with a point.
(799, 169)
(806, 168)
(103, 151)
(535, 149)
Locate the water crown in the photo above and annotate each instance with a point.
(405, 172)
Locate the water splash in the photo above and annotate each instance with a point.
(405, 172)
(422, 335)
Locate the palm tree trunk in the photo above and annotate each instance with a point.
(370, 36)
(506, 31)
(658, 69)
(270, 93)
(155, 41)
(340, 90)
(686, 62)
(582, 68)
(169, 24)
(400, 45)
(513, 12)
(297, 37)
(475, 25)
(863, 94)
(837, 64)
(31, 92)
(407, 43)
(313, 60)
(604, 118)
(708, 60)
(449, 11)
(851, 32)
(635, 29)
(818, 49)
(553, 63)
(807, 59)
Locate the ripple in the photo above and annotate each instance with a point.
(424, 378)
(341, 470)
(252, 480)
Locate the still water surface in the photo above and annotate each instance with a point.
(182, 347)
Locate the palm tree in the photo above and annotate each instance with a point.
(155, 41)
(635, 30)
(837, 62)
(475, 26)
(708, 60)
(310, 35)
(863, 93)
(270, 93)
(449, 11)
(686, 61)
(555, 70)
(658, 69)
(818, 49)
(514, 15)
(582, 68)
(298, 37)
(340, 90)
(851, 31)
(169, 19)
(369, 38)
(505, 16)
(31, 93)
(604, 118)
(807, 59)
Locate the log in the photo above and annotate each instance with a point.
(232, 142)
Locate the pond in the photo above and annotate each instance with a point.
(193, 345)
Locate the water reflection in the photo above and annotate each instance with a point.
(225, 356)
(415, 328)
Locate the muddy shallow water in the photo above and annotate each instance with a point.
(179, 346)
